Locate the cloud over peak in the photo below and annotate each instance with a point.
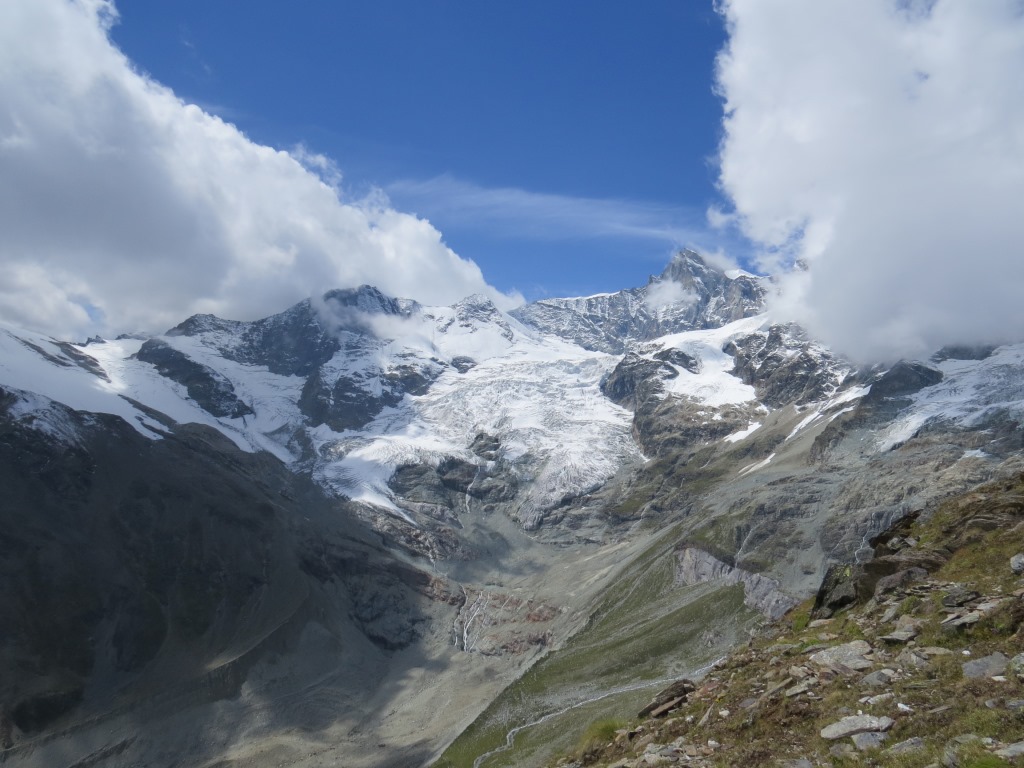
(881, 143)
(122, 207)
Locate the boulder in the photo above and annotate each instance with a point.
(673, 696)
(869, 740)
(854, 724)
(898, 580)
(987, 666)
(849, 655)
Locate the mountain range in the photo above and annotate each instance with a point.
(369, 532)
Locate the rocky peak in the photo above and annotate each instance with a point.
(476, 311)
(689, 294)
(365, 299)
(203, 324)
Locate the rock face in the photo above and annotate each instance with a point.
(175, 564)
(689, 295)
(760, 593)
(213, 391)
(785, 366)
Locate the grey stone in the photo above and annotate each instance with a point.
(1014, 750)
(910, 745)
(1017, 563)
(987, 666)
(958, 596)
(899, 580)
(854, 724)
(849, 655)
(877, 679)
(869, 740)
(955, 622)
(912, 660)
(1016, 666)
(1016, 705)
(890, 613)
(842, 750)
(899, 636)
(933, 650)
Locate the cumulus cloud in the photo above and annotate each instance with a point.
(881, 144)
(124, 208)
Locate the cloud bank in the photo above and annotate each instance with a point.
(124, 208)
(881, 142)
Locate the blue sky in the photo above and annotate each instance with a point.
(566, 148)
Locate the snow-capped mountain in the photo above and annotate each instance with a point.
(364, 472)
(688, 295)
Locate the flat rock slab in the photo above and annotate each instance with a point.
(849, 655)
(1014, 750)
(869, 740)
(877, 679)
(910, 745)
(855, 724)
(900, 636)
(987, 666)
(934, 650)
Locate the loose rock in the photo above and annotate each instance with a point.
(849, 655)
(855, 724)
(987, 666)
(869, 740)
(1014, 750)
(910, 745)
(1016, 666)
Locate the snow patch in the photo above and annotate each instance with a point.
(754, 467)
(735, 437)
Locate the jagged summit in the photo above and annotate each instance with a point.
(689, 294)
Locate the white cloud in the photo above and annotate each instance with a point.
(543, 216)
(665, 292)
(122, 207)
(882, 142)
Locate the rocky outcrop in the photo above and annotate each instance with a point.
(213, 392)
(695, 566)
(785, 366)
(352, 402)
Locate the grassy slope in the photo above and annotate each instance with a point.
(983, 529)
(643, 630)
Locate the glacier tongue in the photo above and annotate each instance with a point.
(542, 399)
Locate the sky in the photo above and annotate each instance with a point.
(160, 158)
(536, 136)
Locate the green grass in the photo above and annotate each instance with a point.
(643, 630)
